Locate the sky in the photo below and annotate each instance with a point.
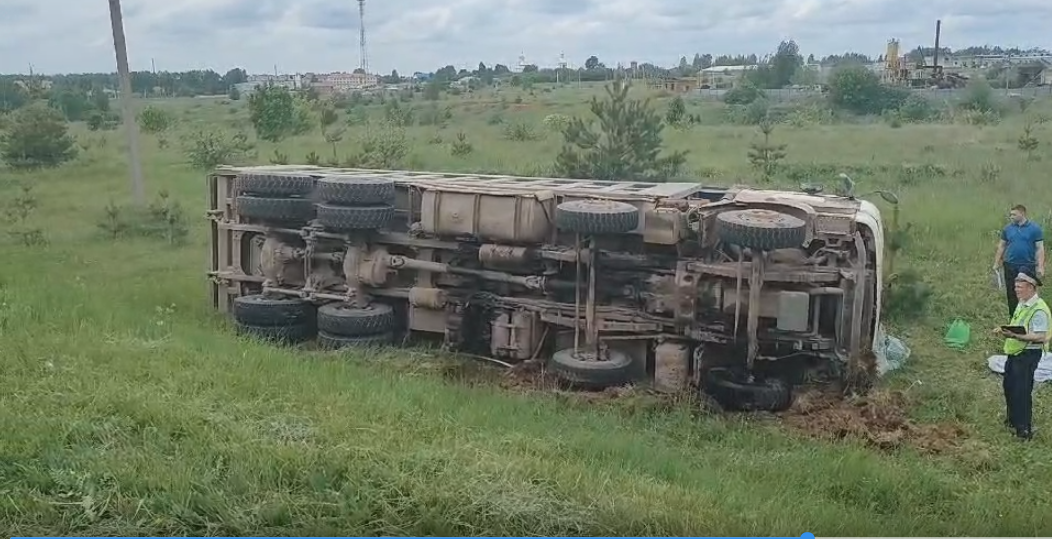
(74, 36)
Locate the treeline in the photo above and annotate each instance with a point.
(144, 83)
(74, 103)
(776, 69)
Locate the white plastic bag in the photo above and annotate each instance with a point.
(890, 351)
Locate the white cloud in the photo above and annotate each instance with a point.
(409, 35)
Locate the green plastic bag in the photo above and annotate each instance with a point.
(958, 335)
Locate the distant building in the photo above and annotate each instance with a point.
(680, 85)
(341, 82)
(292, 82)
(722, 76)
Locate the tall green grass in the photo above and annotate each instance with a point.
(130, 408)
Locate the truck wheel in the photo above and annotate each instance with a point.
(596, 216)
(274, 185)
(732, 391)
(355, 191)
(260, 310)
(278, 210)
(328, 341)
(291, 334)
(348, 218)
(762, 230)
(347, 321)
(587, 371)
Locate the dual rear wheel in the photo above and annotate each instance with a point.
(289, 320)
(337, 203)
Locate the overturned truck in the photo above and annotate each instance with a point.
(738, 292)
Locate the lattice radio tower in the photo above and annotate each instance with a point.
(363, 52)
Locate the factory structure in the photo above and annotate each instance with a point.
(954, 71)
(894, 68)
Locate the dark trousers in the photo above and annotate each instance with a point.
(1011, 270)
(1018, 386)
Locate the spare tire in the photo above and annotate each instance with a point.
(274, 184)
(587, 371)
(596, 216)
(761, 229)
(354, 218)
(355, 190)
(275, 210)
(732, 390)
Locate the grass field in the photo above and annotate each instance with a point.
(130, 408)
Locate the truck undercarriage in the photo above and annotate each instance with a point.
(742, 293)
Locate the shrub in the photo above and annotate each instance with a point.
(520, 132)
(384, 145)
(979, 97)
(37, 136)
(857, 89)
(163, 218)
(555, 122)
(743, 94)
(154, 119)
(209, 149)
(916, 108)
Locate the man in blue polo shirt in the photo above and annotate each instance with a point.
(1021, 249)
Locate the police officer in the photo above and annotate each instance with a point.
(1024, 352)
(1021, 247)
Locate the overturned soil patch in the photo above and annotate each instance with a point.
(879, 419)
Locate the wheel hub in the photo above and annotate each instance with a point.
(589, 355)
(760, 216)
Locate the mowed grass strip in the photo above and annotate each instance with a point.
(130, 408)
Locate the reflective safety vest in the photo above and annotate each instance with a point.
(1021, 317)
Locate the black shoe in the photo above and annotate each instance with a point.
(1025, 434)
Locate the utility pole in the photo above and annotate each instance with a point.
(120, 47)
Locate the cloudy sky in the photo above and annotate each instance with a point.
(60, 36)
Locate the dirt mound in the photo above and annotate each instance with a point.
(879, 419)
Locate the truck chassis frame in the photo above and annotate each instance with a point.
(609, 282)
